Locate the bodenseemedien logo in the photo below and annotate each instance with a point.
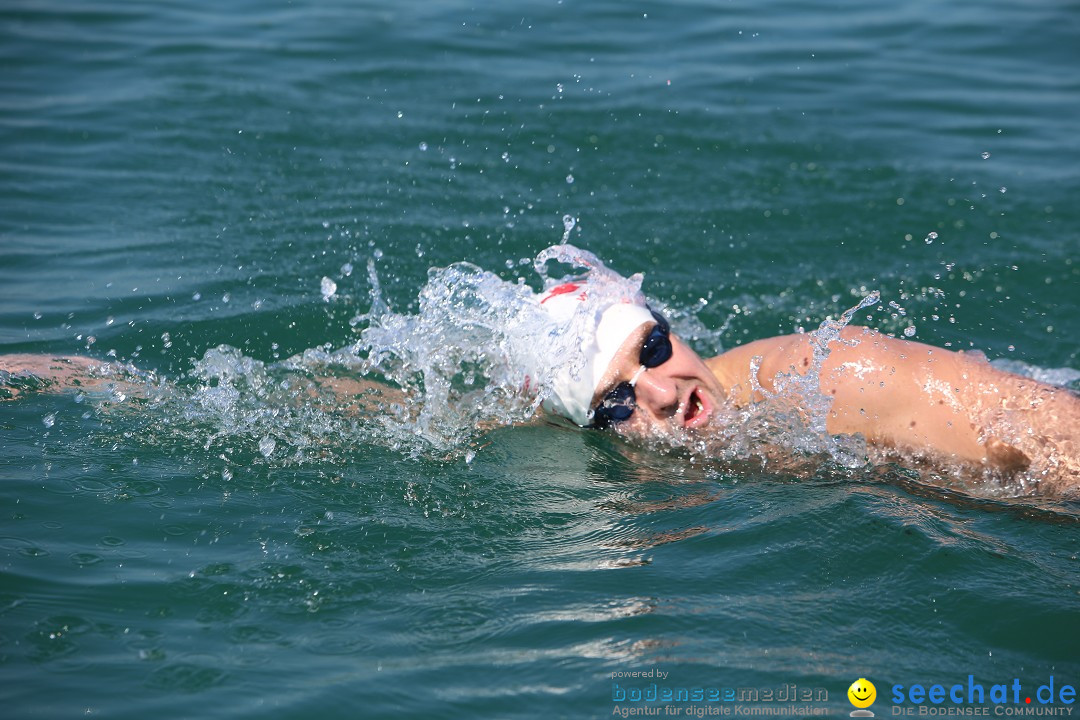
(862, 694)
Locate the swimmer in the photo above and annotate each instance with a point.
(900, 395)
(626, 371)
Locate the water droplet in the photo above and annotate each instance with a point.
(226, 474)
(346, 269)
(569, 179)
(931, 238)
(568, 223)
(196, 296)
(267, 445)
(226, 298)
(49, 420)
(986, 156)
(1002, 189)
(423, 147)
(909, 331)
(328, 288)
(400, 114)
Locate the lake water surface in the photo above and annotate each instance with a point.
(177, 177)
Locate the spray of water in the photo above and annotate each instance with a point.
(477, 351)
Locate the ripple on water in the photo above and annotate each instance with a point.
(56, 637)
(85, 559)
(141, 488)
(452, 622)
(223, 604)
(337, 636)
(22, 547)
(187, 677)
(91, 486)
(256, 635)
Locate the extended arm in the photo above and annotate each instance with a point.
(20, 372)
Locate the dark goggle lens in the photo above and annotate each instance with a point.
(656, 350)
(617, 405)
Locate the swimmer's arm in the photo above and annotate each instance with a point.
(895, 392)
(361, 395)
(20, 373)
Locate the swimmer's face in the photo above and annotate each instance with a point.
(680, 392)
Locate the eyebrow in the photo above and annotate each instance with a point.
(639, 336)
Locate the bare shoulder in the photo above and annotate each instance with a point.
(760, 362)
(741, 369)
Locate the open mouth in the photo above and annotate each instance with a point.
(696, 410)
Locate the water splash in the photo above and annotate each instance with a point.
(480, 351)
(477, 353)
(456, 363)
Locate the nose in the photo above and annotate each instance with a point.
(657, 393)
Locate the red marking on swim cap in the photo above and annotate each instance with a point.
(562, 290)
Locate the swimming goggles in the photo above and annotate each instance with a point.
(619, 403)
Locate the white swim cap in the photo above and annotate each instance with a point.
(603, 322)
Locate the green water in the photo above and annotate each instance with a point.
(177, 176)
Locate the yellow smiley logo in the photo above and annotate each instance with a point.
(862, 693)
